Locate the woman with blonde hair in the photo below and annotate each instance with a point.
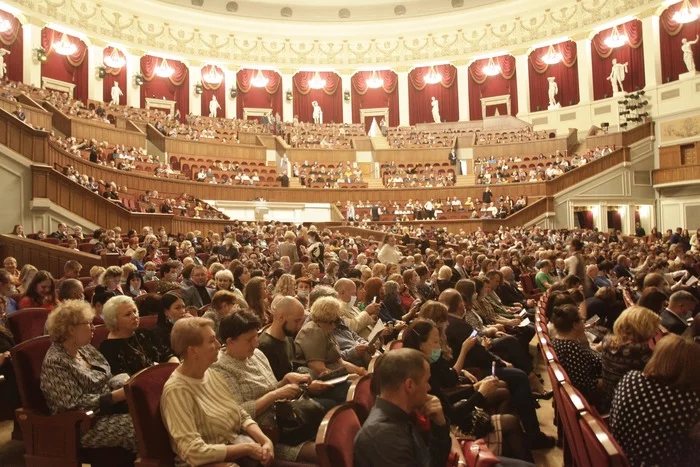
(26, 275)
(379, 270)
(626, 349)
(137, 258)
(286, 286)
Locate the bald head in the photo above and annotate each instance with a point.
(507, 272)
(283, 306)
(453, 301)
(346, 289)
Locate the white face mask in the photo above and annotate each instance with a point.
(353, 299)
(303, 293)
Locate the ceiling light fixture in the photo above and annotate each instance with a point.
(686, 14)
(259, 81)
(5, 25)
(491, 68)
(374, 81)
(115, 59)
(616, 38)
(164, 70)
(317, 82)
(65, 46)
(433, 76)
(552, 57)
(213, 76)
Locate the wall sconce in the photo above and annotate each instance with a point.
(233, 92)
(346, 95)
(101, 72)
(41, 55)
(198, 88)
(138, 79)
(289, 96)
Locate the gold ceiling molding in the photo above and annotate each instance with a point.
(178, 31)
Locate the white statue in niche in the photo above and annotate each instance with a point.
(213, 106)
(436, 109)
(116, 93)
(318, 113)
(687, 48)
(3, 65)
(552, 93)
(617, 76)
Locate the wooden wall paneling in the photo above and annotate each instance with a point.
(415, 156)
(323, 156)
(688, 173)
(669, 156)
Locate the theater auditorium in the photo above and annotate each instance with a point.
(293, 233)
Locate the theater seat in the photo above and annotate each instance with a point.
(28, 323)
(53, 440)
(602, 448)
(99, 334)
(477, 453)
(336, 437)
(361, 395)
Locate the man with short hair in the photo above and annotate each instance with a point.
(360, 322)
(71, 270)
(61, 231)
(391, 435)
(681, 306)
(198, 294)
(589, 283)
(71, 289)
(287, 319)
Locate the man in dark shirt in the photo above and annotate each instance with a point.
(681, 306)
(486, 196)
(639, 230)
(199, 294)
(402, 377)
(19, 113)
(275, 341)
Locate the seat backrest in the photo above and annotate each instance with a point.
(148, 322)
(99, 334)
(602, 448)
(360, 394)
(571, 405)
(143, 391)
(27, 359)
(150, 286)
(27, 323)
(336, 437)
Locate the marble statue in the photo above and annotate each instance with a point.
(213, 106)
(3, 65)
(318, 113)
(436, 109)
(116, 94)
(617, 76)
(552, 92)
(687, 48)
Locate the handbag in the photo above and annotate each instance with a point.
(298, 420)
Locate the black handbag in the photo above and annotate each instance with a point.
(298, 420)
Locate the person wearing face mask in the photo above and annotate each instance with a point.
(223, 303)
(170, 310)
(149, 273)
(680, 307)
(133, 285)
(169, 273)
(360, 322)
(303, 289)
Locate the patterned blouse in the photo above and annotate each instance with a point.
(132, 354)
(486, 311)
(581, 363)
(617, 362)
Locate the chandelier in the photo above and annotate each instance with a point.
(5, 25)
(213, 76)
(164, 70)
(374, 81)
(317, 82)
(433, 76)
(65, 46)
(115, 59)
(616, 38)
(491, 68)
(686, 14)
(552, 57)
(259, 81)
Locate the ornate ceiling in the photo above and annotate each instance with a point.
(446, 34)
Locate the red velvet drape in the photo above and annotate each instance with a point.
(671, 35)
(372, 98)
(330, 97)
(113, 75)
(213, 89)
(269, 97)
(565, 74)
(176, 88)
(631, 53)
(420, 93)
(12, 40)
(67, 68)
(504, 83)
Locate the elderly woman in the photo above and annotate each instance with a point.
(133, 285)
(10, 265)
(255, 294)
(626, 349)
(202, 432)
(109, 283)
(223, 303)
(315, 344)
(41, 292)
(75, 376)
(289, 248)
(128, 348)
(253, 384)
(6, 289)
(137, 258)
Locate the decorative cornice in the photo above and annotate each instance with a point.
(147, 25)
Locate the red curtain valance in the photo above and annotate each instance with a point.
(49, 37)
(244, 76)
(9, 37)
(212, 86)
(301, 82)
(671, 36)
(666, 19)
(417, 75)
(566, 49)
(359, 81)
(149, 64)
(633, 29)
(507, 63)
(106, 53)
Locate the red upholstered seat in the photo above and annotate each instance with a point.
(477, 454)
(98, 335)
(85, 280)
(51, 240)
(150, 286)
(89, 292)
(571, 405)
(601, 447)
(361, 395)
(27, 323)
(148, 322)
(86, 248)
(336, 437)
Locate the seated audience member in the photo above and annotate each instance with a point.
(10, 265)
(9, 393)
(223, 303)
(276, 340)
(26, 275)
(256, 296)
(41, 292)
(71, 289)
(254, 386)
(693, 331)
(655, 412)
(582, 364)
(128, 348)
(75, 376)
(133, 285)
(605, 305)
(626, 349)
(467, 414)
(401, 378)
(6, 289)
(137, 258)
(315, 344)
(680, 307)
(109, 283)
(71, 270)
(171, 309)
(360, 322)
(653, 299)
(543, 280)
(198, 294)
(202, 432)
